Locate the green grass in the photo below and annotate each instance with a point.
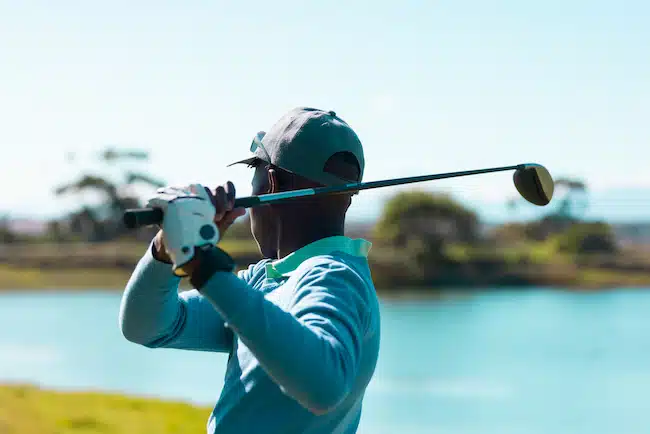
(12, 277)
(597, 278)
(30, 410)
(120, 250)
(534, 252)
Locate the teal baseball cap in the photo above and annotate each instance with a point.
(302, 142)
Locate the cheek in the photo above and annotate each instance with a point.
(261, 222)
(257, 216)
(253, 218)
(257, 221)
(260, 183)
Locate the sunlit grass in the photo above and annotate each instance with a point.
(74, 266)
(29, 410)
(12, 277)
(597, 278)
(124, 250)
(534, 252)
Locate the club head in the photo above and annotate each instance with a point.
(535, 184)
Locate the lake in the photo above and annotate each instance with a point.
(526, 362)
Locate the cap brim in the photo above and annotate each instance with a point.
(249, 160)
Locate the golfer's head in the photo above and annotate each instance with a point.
(305, 148)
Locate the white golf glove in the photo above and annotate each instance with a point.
(188, 220)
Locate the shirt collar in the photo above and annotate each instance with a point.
(325, 246)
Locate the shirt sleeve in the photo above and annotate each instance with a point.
(313, 350)
(154, 314)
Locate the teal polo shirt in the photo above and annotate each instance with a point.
(302, 335)
(339, 244)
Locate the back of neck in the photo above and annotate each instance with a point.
(298, 237)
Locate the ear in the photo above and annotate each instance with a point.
(274, 186)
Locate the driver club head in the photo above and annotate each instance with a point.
(535, 184)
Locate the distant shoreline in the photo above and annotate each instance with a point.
(78, 267)
(84, 279)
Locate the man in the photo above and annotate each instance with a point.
(301, 326)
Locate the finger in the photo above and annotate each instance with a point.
(239, 212)
(158, 202)
(220, 199)
(209, 195)
(167, 191)
(195, 189)
(230, 195)
(174, 189)
(229, 218)
(233, 215)
(202, 192)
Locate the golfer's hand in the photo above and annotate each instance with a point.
(223, 200)
(188, 222)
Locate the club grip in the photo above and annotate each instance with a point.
(138, 217)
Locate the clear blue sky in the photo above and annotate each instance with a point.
(430, 86)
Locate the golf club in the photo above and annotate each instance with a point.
(533, 182)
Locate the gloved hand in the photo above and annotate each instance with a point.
(188, 220)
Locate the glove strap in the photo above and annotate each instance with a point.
(211, 259)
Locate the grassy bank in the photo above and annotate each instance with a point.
(29, 410)
(109, 265)
(78, 266)
(13, 277)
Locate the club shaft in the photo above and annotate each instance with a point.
(146, 216)
(274, 198)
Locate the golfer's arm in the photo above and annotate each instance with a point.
(312, 352)
(154, 314)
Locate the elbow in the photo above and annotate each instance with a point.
(332, 386)
(327, 398)
(132, 333)
(139, 330)
(137, 338)
(130, 336)
(128, 323)
(128, 331)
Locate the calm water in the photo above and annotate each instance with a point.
(531, 362)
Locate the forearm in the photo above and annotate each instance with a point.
(154, 314)
(309, 358)
(150, 308)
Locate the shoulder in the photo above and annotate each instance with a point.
(353, 270)
(342, 281)
(253, 272)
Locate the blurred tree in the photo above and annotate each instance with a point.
(7, 235)
(573, 204)
(568, 206)
(425, 223)
(570, 200)
(55, 231)
(104, 222)
(511, 204)
(584, 238)
(509, 233)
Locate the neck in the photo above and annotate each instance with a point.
(289, 240)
